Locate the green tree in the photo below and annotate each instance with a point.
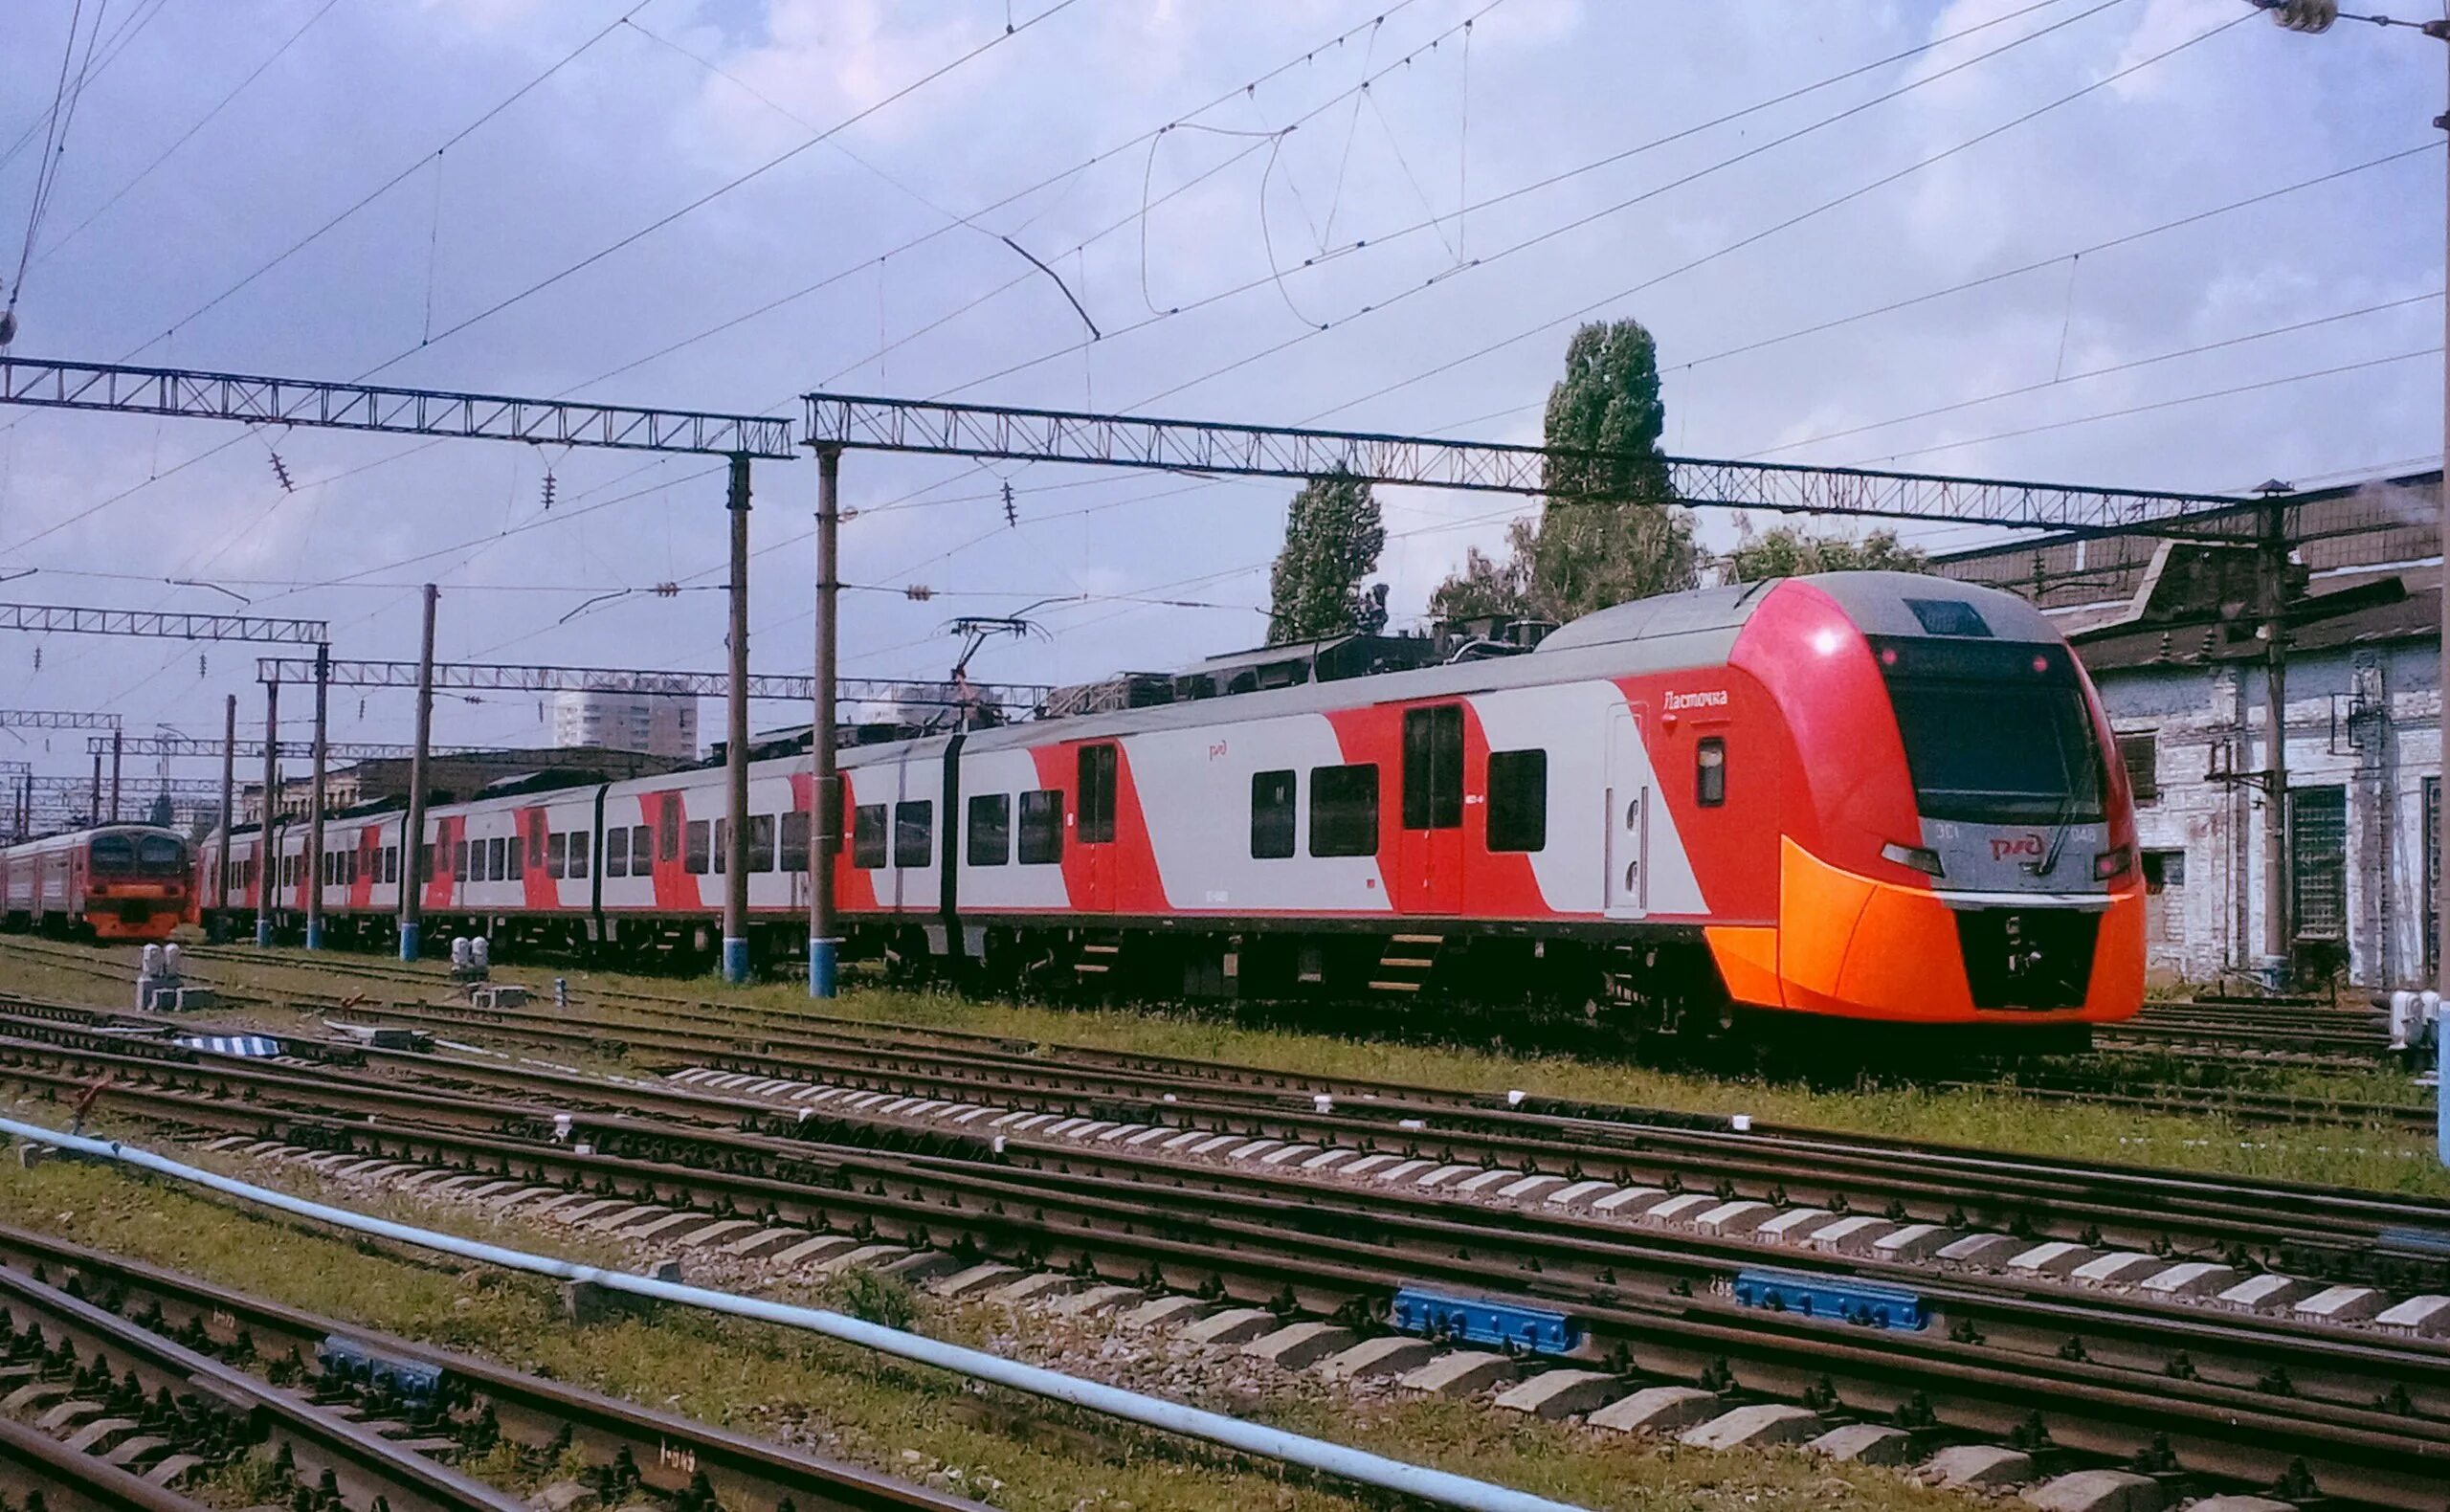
(1788, 553)
(1611, 529)
(1487, 585)
(1332, 537)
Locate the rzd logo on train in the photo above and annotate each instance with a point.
(2004, 847)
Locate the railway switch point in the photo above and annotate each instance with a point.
(2098, 1491)
(1554, 1395)
(1758, 1424)
(1986, 1467)
(1865, 1443)
(1461, 1373)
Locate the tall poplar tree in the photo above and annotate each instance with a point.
(1332, 536)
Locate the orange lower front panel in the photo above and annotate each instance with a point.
(112, 924)
(1852, 947)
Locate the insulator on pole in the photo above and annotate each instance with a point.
(2303, 16)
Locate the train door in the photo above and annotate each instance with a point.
(1629, 798)
(1429, 847)
(1093, 827)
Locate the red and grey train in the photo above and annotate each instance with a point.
(1869, 796)
(118, 882)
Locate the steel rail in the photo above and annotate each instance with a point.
(69, 1481)
(2223, 1429)
(669, 1450)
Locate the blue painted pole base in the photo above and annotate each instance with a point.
(263, 934)
(315, 936)
(821, 967)
(735, 961)
(412, 941)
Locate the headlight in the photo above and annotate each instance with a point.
(2116, 861)
(1920, 857)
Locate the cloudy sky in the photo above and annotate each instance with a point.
(2026, 219)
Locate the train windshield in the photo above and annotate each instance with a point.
(160, 855)
(1995, 734)
(114, 853)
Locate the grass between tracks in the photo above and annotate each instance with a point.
(2383, 1159)
(1009, 1450)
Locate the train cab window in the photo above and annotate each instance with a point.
(578, 854)
(1344, 809)
(557, 856)
(113, 852)
(616, 852)
(1518, 800)
(1041, 827)
(700, 856)
(794, 856)
(990, 829)
(641, 850)
(1096, 776)
(868, 836)
(914, 834)
(513, 866)
(159, 854)
(761, 842)
(1709, 772)
(1434, 767)
(1272, 815)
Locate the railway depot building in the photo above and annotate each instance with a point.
(2172, 632)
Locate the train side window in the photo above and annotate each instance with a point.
(1344, 809)
(460, 861)
(1097, 794)
(498, 857)
(796, 842)
(1709, 772)
(1272, 815)
(1434, 767)
(1518, 800)
(868, 836)
(914, 832)
(616, 852)
(669, 817)
(699, 855)
(761, 842)
(722, 845)
(642, 851)
(578, 853)
(1041, 827)
(514, 867)
(557, 856)
(990, 829)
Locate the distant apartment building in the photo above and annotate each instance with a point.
(627, 722)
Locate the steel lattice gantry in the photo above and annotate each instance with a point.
(61, 618)
(487, 677)
(55, 720)
(857, 423)
(175, 746)
(116, 387)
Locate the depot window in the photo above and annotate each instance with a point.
(1434, 767)
(1041, 827)
(990, 829)
(914, 834)
(616, 852)
(1097, 794)
(795, 840)
(868, 835)
(1709, 772)
(1344, 809)
(699, 855)
(1518, 800)
(1272, 815)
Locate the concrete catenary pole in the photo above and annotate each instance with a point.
(314, 861)
(825, 795)
(94, 802)
(2276, 870)
(118, 741)
(734, 851)
(267, 859)
(228, 798)
(413, 827)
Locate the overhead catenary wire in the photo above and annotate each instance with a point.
(65, 94)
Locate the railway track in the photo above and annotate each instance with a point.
(2241, 1399)
(233, 1375)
